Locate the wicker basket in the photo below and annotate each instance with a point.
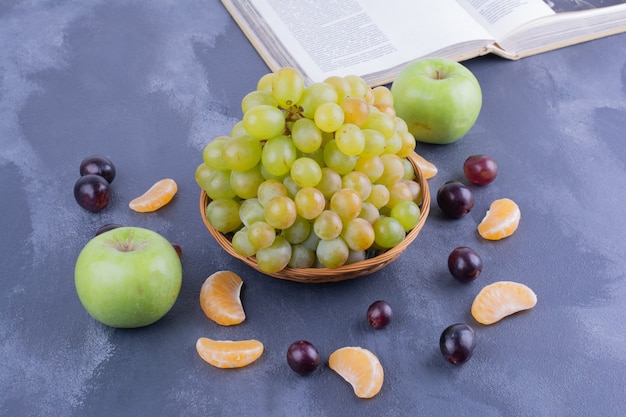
(320, 275)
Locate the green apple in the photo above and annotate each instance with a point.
(128, 277)
(438, 98)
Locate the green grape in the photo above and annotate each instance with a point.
(358, 86)
(270, 189)
(217, 185)
(401, 125)
(332, 253)
(238, 130)
(393, 144)
(388, 231)
(212, 153)
(242, 153)
(338, 160)
(359, 182)
(409, 172)
(278, 154)
(251, 211)
(287, 86)
(416, 190)
(382, 95)
(393, 169)
(256, 98)
(379, 195)
(328, 117)
(306, 172)
(327, 225)
(398, 191)
(380, 121)
(261, 234)
(374, 144)
(306, 136)
(265, 82)
(298, 231)
(269, 176)
(372, 166)
(301, 257)
(384, 211)
(330, 182)
(369, 212)
(280, 212)
(327, 137)
(407, 213)
(317, 155)
(291, 186)
(346, 203)
(246, 183)
(355, 256)
(358, 234)
(341, 86)
(310, 202)
(275, 257)
(408, 143)
(314, 95)
(223, 215)
(264, 121)
(311, 241)
(203, 174)
(355, 110)
(350, 139)
(241, 243)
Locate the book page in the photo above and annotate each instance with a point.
(575, 23)
(340, 37)
(500, 17)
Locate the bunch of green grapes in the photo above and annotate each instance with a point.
(312, 175)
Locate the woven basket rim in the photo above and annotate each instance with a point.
(322, 275)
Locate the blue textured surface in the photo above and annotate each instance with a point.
(150, 83)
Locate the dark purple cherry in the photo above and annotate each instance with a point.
(98, 165)
(480, 169)
(178, 249)
(303, 357)
(92, 192)
(465, 264)
(455, 199)
(107, 227)
(457, 343)
(379, 314)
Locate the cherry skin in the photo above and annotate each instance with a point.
(480, 169)
(92, 192)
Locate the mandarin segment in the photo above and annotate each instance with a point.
(228, 354)
(501, 220)
(156, 197)
(220, 298)
(360, 368)
(429, 170)
(500, 299)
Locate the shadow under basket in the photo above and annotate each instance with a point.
(321, 275)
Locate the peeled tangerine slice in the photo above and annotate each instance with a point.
(360, 368)
(501, 220)
(156, 197)
(500, 299)
(229, 353)
(428, 169)
(220, 298)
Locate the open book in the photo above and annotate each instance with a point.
(375, 39)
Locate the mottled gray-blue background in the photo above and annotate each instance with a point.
(149, 83)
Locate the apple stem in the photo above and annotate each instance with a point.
(438, 75)
(128, 245)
